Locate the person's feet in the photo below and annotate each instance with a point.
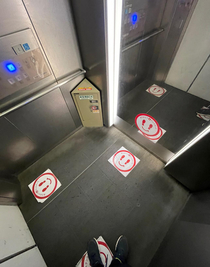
(121, 249)
(93, 253)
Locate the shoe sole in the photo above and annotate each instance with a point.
(117, 242)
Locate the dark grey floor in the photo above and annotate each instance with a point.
(95, 199)
(188, 241)
(175, 112)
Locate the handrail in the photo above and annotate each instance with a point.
(142, 39)
(44, 92)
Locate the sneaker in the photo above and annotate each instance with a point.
(121, 249)
(204, 111)
(93, 253)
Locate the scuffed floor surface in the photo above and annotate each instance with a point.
(95, 199)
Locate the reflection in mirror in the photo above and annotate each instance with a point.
(164, 91)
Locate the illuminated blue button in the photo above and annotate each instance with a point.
(11, 67)
(26, 46)
(134, 18)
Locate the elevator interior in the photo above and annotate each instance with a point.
(165, 43)
(41, 128)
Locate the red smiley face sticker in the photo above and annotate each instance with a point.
(147, 125)
(156, 90)
(44, 185)
(124, 161)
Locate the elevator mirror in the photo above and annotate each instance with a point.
(164, 91)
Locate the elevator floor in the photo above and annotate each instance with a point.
(95, 199)
(175, 112)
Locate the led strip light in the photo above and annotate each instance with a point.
(113, 17)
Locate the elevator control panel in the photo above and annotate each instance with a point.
(21, 62)
(133, 22)
(88, 102)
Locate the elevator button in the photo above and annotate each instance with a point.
(18, 78)
(11, 81)
(33, 60)
(18, 49)
(25, 75)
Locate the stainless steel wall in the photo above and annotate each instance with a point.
(10, 190)
(152, 59)
(190, 68)
(136, 61)
(29, 132)
(90, 28)
(52, 21)
(176, 17)
(191, 168)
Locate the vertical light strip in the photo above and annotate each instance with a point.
(118, 26)
(113, 16)
(191, 143)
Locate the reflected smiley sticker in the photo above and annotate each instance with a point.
(147, 125)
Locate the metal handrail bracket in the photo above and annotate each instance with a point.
(147, 37)
(44, 92)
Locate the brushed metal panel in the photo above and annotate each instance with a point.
(16, 150)
(155, 11)
(200, 87)
(23, 94)
(30, 65)
(10, 40)
(89, 22)
(165, 23)
(13, 17)
(135, 63)
(143, 39)
(66, 92)
(192, 167)
(46, 120)
(128, 69)
(53, 23)
(45, 91)
(10, 192)
(175, 17)
(192, 52)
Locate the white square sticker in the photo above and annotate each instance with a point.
(44, 186)
(155, 138)
(124, 161)
(105, 253)
(156, 90)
